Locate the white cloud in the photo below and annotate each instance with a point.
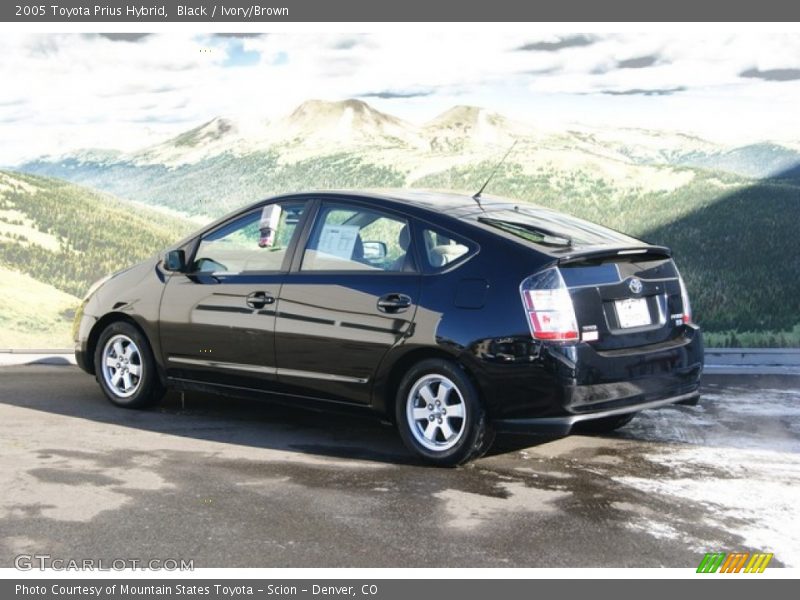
(71, 90)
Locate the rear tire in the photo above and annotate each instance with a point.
(439, 414)
(606, 424)
(125, 367)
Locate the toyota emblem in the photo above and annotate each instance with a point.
(635, 285)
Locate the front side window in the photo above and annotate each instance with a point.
(256, 241)
(347, 238)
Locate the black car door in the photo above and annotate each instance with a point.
(217, 321)
(351, 295)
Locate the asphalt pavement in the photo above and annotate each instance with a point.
(229, 483)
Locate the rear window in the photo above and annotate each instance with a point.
(581, 276)
(552, 228)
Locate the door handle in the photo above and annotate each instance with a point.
(394, 303)
(259, 299)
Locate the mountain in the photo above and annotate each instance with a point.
(223, 163)
(646, 146)
(758, 161)
(468, 126)
(348, 123)
(214, 137)
(313, 127)
(462, 133)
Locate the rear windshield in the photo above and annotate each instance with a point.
(552, 228)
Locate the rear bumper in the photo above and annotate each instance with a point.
(572, 383)
(563, 425)
(599, 380)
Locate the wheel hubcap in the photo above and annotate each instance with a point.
(122, 366)
(436, 412)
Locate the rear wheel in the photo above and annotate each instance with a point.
(125, 367)
(439, 414)
(606, 424)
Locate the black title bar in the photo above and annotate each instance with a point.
(276, 11)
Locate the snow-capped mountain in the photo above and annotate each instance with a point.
(345, 123)
(218, 135)
(349, 143)
(464, 126)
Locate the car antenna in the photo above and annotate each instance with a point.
(477, 195)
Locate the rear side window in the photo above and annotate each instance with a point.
(348, 238)
(441, 249)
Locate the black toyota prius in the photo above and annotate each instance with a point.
(452, 317)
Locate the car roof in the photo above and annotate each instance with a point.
(453, 204)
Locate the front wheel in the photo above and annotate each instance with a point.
(125, 367)
(439, 414)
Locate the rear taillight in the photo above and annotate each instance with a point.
(687, 307)
(548, 305)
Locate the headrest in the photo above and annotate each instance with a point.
(404, 238)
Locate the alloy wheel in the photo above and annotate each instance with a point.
(122, 366)
(436, 412)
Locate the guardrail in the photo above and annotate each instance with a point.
(754, 356)
(754, 361)
(36, 356)
(35, 351)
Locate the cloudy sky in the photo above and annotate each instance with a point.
(127, 90)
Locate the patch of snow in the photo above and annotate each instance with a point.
(468, 510)
(754, 495)
(656, 529)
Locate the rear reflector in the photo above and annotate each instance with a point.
(548, 305)
(687, 307)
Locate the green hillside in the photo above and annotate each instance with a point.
(217, 185)
(32, 313)
(754, 160)
(67, 236)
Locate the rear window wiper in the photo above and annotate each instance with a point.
(533, 233)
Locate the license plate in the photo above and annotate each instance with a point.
(632, 312)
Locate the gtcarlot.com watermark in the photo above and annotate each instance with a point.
(42, 562)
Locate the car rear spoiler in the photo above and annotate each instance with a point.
(602, 254)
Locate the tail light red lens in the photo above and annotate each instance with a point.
(546, 299)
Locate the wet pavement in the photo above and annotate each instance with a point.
(232, 483)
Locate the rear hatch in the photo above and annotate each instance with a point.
(623, 299)
(602, 287)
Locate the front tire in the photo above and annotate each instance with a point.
(439, 414)
(125, 367)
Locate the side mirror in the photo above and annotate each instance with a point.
(175, 260)
(374, 250)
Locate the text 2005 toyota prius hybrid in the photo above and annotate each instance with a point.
(452, 318)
